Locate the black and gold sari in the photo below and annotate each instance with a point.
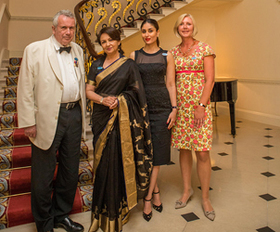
(122, 144)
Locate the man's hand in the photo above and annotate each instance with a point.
(30, 131)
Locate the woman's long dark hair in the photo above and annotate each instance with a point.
(154, 23)
(113, 33)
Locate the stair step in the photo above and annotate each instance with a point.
(167, 10)
(138, 23)
(15, 137)
(16, 210)
(178, 4)
(16, 157)
(127, 31)
(3, 73)
(156, 17)
(5, 62)
(18, 181)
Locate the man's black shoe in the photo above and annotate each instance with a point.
(69, 225)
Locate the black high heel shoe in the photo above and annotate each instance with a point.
(148, 216)
(158, 208)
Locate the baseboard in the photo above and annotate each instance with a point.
(269, 119)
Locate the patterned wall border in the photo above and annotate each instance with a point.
(30, 18)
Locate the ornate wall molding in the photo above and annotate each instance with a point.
(31, 18)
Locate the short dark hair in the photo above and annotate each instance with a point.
(113, 33)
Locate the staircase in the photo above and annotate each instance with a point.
(162, 12)
(124, 15)
(15, 153)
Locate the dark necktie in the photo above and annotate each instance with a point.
(67, 49)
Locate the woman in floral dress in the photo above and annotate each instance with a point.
(194, 61)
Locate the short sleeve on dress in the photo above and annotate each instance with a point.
(208, 51)
(173, 51)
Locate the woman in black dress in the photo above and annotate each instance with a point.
(157, 71)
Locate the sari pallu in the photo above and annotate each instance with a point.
(122, 144)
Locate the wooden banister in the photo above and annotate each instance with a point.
(83, 29)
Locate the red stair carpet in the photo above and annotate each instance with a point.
(15, 161)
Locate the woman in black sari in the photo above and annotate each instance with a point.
(122, 140)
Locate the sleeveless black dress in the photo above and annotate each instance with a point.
(152, 68)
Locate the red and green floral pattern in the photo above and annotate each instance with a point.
(189, 89)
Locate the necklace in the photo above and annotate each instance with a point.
(186, 53)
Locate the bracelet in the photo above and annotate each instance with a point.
(201, 104)
(101, 100)
(174, 107)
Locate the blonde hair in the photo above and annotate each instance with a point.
(178, 22)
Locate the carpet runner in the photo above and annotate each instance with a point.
(15, 161)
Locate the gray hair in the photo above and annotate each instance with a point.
(66, 13)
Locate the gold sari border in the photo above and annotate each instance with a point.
(101, 142)
(108, 225)
(90, 82)
(110, 69)
(127, 153)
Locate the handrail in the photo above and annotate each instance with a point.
(94, 14)
(83, 29)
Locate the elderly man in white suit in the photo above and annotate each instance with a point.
(51, 109)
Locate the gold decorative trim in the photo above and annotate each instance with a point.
(101, 142)
(108, 225)
(137, 5)
(90, 17)
(15, 195)
(108, 70)
(103, 13)
(90, 82)
(115, 5)
(127, 153)
(128, 6)
(10, 147)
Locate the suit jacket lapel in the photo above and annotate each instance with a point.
(53, 61)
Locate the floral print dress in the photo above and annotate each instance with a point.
(190, 83)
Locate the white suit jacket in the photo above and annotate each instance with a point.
(40, 87)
